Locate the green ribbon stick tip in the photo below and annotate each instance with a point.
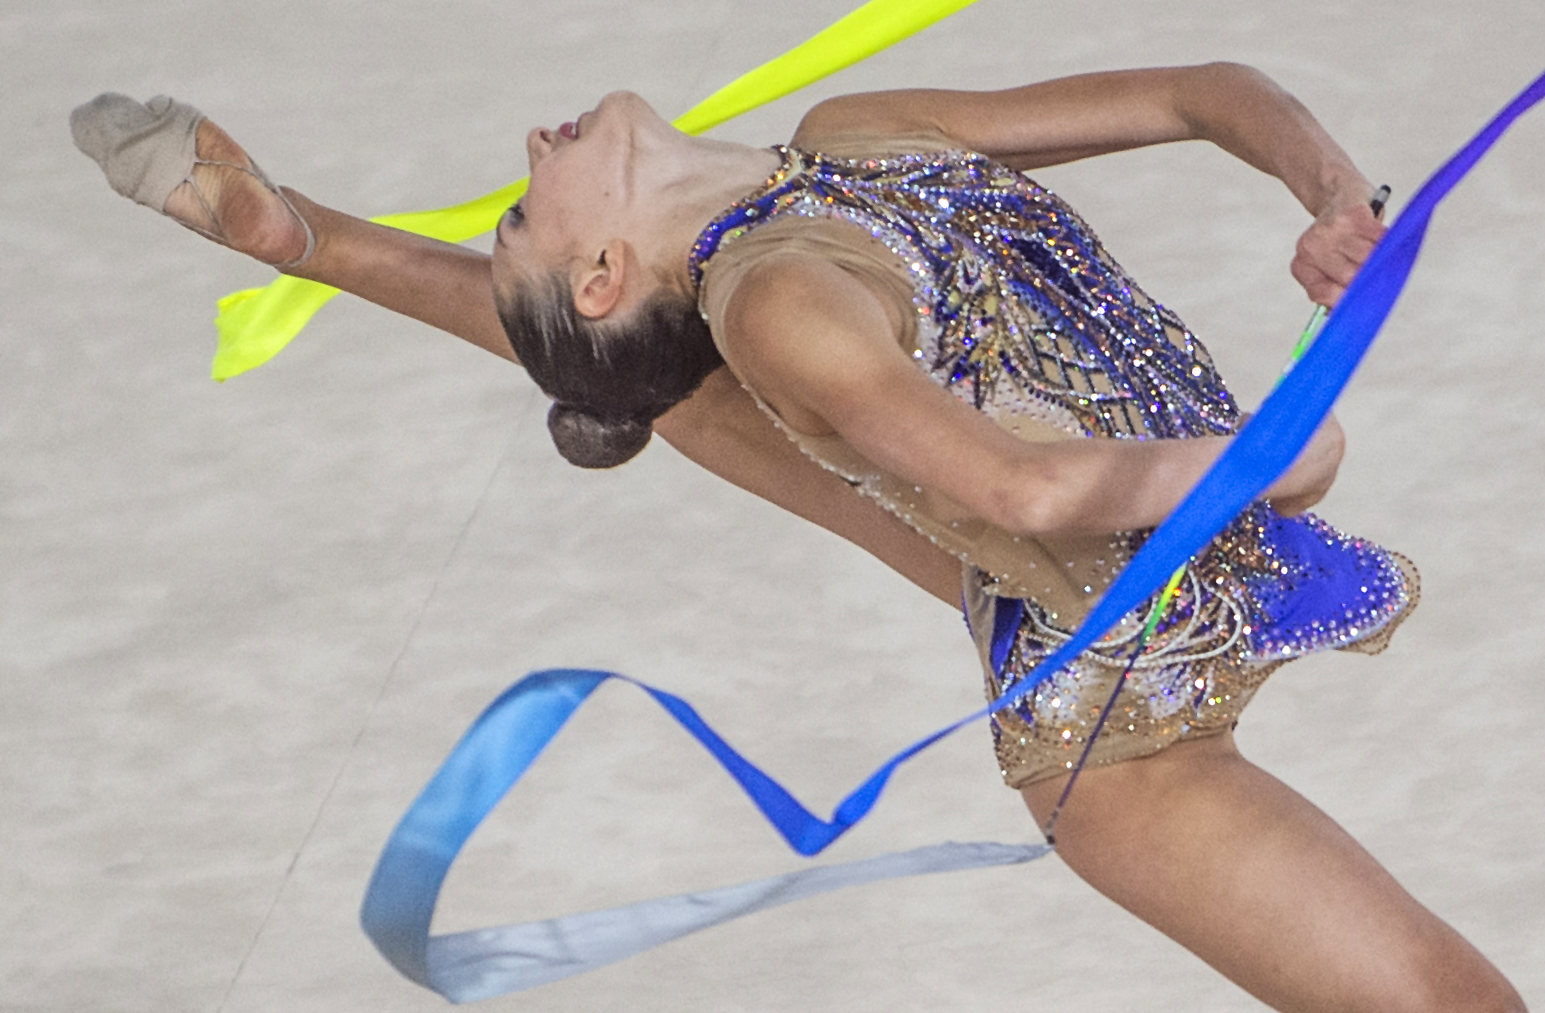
(255, 324)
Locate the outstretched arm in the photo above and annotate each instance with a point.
(1237, 108)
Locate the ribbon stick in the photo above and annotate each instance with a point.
(255, 324)
(400, 901)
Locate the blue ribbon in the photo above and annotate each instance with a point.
(509, 735)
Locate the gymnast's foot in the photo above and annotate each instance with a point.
(167, 156)
(224, 200)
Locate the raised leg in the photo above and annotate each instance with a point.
(451, 288)
(1248, 875)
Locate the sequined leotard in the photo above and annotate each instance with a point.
(1018, 310)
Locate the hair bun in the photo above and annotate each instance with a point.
(588, 441)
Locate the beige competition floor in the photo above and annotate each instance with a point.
(240, 624)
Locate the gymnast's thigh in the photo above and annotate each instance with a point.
(1243, 871)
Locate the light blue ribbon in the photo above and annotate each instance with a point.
(509, 735)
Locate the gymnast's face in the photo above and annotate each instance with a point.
(582, 199)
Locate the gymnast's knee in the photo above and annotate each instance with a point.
(1461, 981)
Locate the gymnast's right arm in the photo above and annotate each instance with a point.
(1239, 109)
(719, 427)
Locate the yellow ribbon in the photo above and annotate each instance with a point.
(256, 323)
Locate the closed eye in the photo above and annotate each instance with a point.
(514, 217)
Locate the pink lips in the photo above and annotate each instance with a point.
(569, 130)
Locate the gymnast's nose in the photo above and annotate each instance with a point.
(539, 144)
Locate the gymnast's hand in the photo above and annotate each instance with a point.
(1313, 472)
(1332, 249)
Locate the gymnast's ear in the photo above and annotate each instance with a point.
(598, 283)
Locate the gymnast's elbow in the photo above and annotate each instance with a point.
(1037, 497)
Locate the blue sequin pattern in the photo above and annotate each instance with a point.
(1022, 312)
(1024, 301)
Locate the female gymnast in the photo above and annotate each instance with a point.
(928, 327)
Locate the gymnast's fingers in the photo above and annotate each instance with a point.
(1330, 252)
(1321, 288)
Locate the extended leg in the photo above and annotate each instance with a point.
(451, 288)
(1248, 875)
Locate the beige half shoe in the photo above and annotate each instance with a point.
(149, 149)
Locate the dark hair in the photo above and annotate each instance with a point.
(608, 381)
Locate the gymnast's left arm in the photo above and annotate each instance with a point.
(1235, 107)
